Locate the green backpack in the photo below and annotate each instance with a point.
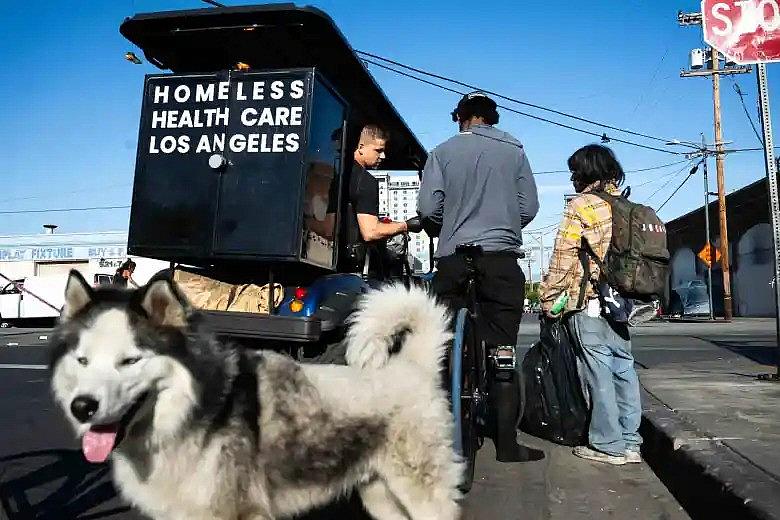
(637, 261)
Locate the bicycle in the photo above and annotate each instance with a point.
(484, 386)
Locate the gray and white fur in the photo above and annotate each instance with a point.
(208, 431)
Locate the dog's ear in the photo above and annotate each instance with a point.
(162, 302)
(78, 294)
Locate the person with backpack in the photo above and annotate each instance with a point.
(608, 251)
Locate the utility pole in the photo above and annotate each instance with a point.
(688, 19)
(540, 238)
(724, 232)
(707, 223)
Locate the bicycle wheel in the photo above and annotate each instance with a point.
(463, 383)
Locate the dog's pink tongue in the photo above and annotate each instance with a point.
(98, 442)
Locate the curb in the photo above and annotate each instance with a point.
(707, 477)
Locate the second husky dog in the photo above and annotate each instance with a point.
(198, 430)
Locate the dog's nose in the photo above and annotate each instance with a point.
(83, 408)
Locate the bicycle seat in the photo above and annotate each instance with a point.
(469, 250)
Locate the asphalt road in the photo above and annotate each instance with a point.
(43, 474)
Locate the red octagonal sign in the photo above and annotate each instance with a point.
(747, 31)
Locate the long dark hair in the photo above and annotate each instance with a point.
(595, 163)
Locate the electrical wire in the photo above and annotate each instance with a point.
(652, 80)
(658, 179)
(656, 192)
(60, 210)
(659, 167)
(741, 95)
(543, 228)
(513, 100)
(556, 123)
(693, 170)
(83, 190)
(740, 150)
(525, 103)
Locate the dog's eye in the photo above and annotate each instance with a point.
(83, 361)
(130, 361)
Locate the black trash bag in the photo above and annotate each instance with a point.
(555, 407)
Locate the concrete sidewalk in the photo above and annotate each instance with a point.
(563, 487)
(712, 432)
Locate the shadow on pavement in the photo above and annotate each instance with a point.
(60, 484)
(55, 484)
(757, 351)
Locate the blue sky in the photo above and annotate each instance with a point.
(69, 102)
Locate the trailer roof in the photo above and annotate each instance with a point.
(276, 36)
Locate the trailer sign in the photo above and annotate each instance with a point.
(211, 116)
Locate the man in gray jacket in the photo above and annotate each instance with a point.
(478, 188)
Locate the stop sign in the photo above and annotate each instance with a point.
(746, 31)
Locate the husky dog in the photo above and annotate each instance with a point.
(198, 430)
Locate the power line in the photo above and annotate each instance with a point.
(514, 100)
(525, 103)
(739, 150)
(656, 192)
(556, 123)
(15, 199)
(659, 167)
(537, 230)
(747, 114)
(693, 170)
(60, 210)
(658, 179)
(650, 83)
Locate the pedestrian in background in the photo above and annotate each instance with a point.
(124, 274)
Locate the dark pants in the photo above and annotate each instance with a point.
(500, 293)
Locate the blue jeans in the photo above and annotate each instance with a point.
(611, 381)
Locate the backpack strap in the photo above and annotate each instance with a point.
(606, 197)
(609, 199)
(589, 251)
(583, 255)
(586, 251)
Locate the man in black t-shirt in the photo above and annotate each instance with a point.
(365, 231)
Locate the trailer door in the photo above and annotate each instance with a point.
(261, 188)
(183, 124)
